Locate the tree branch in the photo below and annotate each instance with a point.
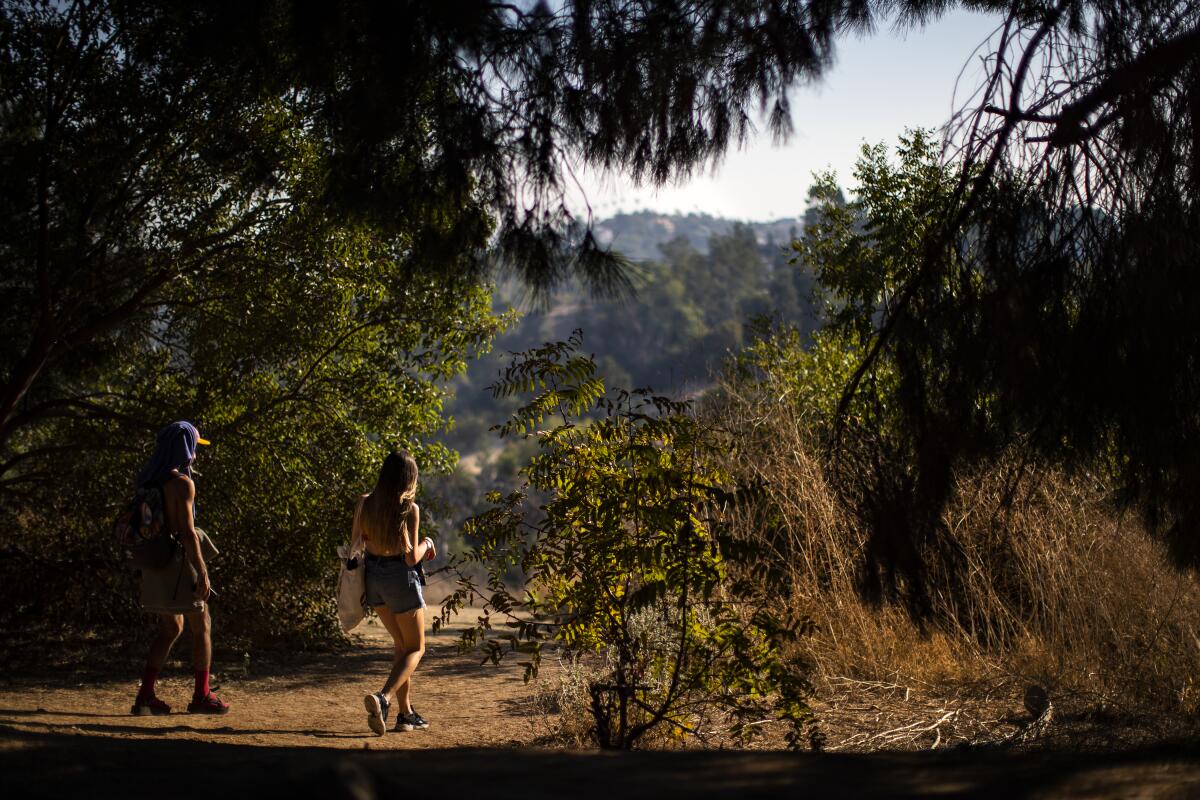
(1160, 62)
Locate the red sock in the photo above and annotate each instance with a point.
(201, 684)
(149, 676)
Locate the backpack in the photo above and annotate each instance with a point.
(139, 530)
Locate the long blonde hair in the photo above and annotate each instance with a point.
(387, 507)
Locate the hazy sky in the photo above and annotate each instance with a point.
(879, 85)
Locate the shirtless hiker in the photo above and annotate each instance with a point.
(179, 590)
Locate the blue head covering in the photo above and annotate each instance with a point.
(175, 448)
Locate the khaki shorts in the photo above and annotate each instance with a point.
(169, 590)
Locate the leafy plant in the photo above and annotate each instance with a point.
(626, 560)
(177, 251)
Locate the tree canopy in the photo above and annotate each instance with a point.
(170, 251)
(304, 199)
(1049, 304)
(453, 124)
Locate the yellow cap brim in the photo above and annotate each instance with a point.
(202, 440)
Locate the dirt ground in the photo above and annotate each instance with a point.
(298, 729)
(313, 699)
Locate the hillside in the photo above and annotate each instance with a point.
(698, 283)
(639, 235)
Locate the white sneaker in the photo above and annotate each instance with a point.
(377, 712)
(411, 721)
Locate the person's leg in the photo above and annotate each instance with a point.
(168, 630)
(203, 700)
(378, 704)
(399, 650)
(404, 695)
(410, 649)
(201, 626)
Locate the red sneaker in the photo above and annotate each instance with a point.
(209, 704)
(147, 706)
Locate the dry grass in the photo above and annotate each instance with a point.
(1055, 588)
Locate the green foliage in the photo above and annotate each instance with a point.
(303, 381)
(864, 251)
(688, 311)
(632, 536)
(1074, 315)
(1032, 283)
(810, 373)
(190, 263)
(692, 307)
(861, 253)
(476, 101)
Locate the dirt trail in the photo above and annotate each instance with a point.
(315, 699)
(298, 730)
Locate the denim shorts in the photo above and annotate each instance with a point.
(394, 584)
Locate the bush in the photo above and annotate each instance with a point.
(627, 564)
(1040, 574)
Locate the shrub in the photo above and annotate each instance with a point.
(1040, 574)
(627, 562)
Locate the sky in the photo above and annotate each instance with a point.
(879, 85)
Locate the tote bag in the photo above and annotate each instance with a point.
(352, 584)
(351, 589)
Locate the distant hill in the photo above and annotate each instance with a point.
(638, 235)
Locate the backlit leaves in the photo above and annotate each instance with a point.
(617, 532)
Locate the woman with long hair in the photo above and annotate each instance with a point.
(387, 522)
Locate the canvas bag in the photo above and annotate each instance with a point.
(352, 584)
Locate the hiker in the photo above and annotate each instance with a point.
(387, 523)
(179, 590)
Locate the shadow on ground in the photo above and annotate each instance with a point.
(77, 763)
(312, 669)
